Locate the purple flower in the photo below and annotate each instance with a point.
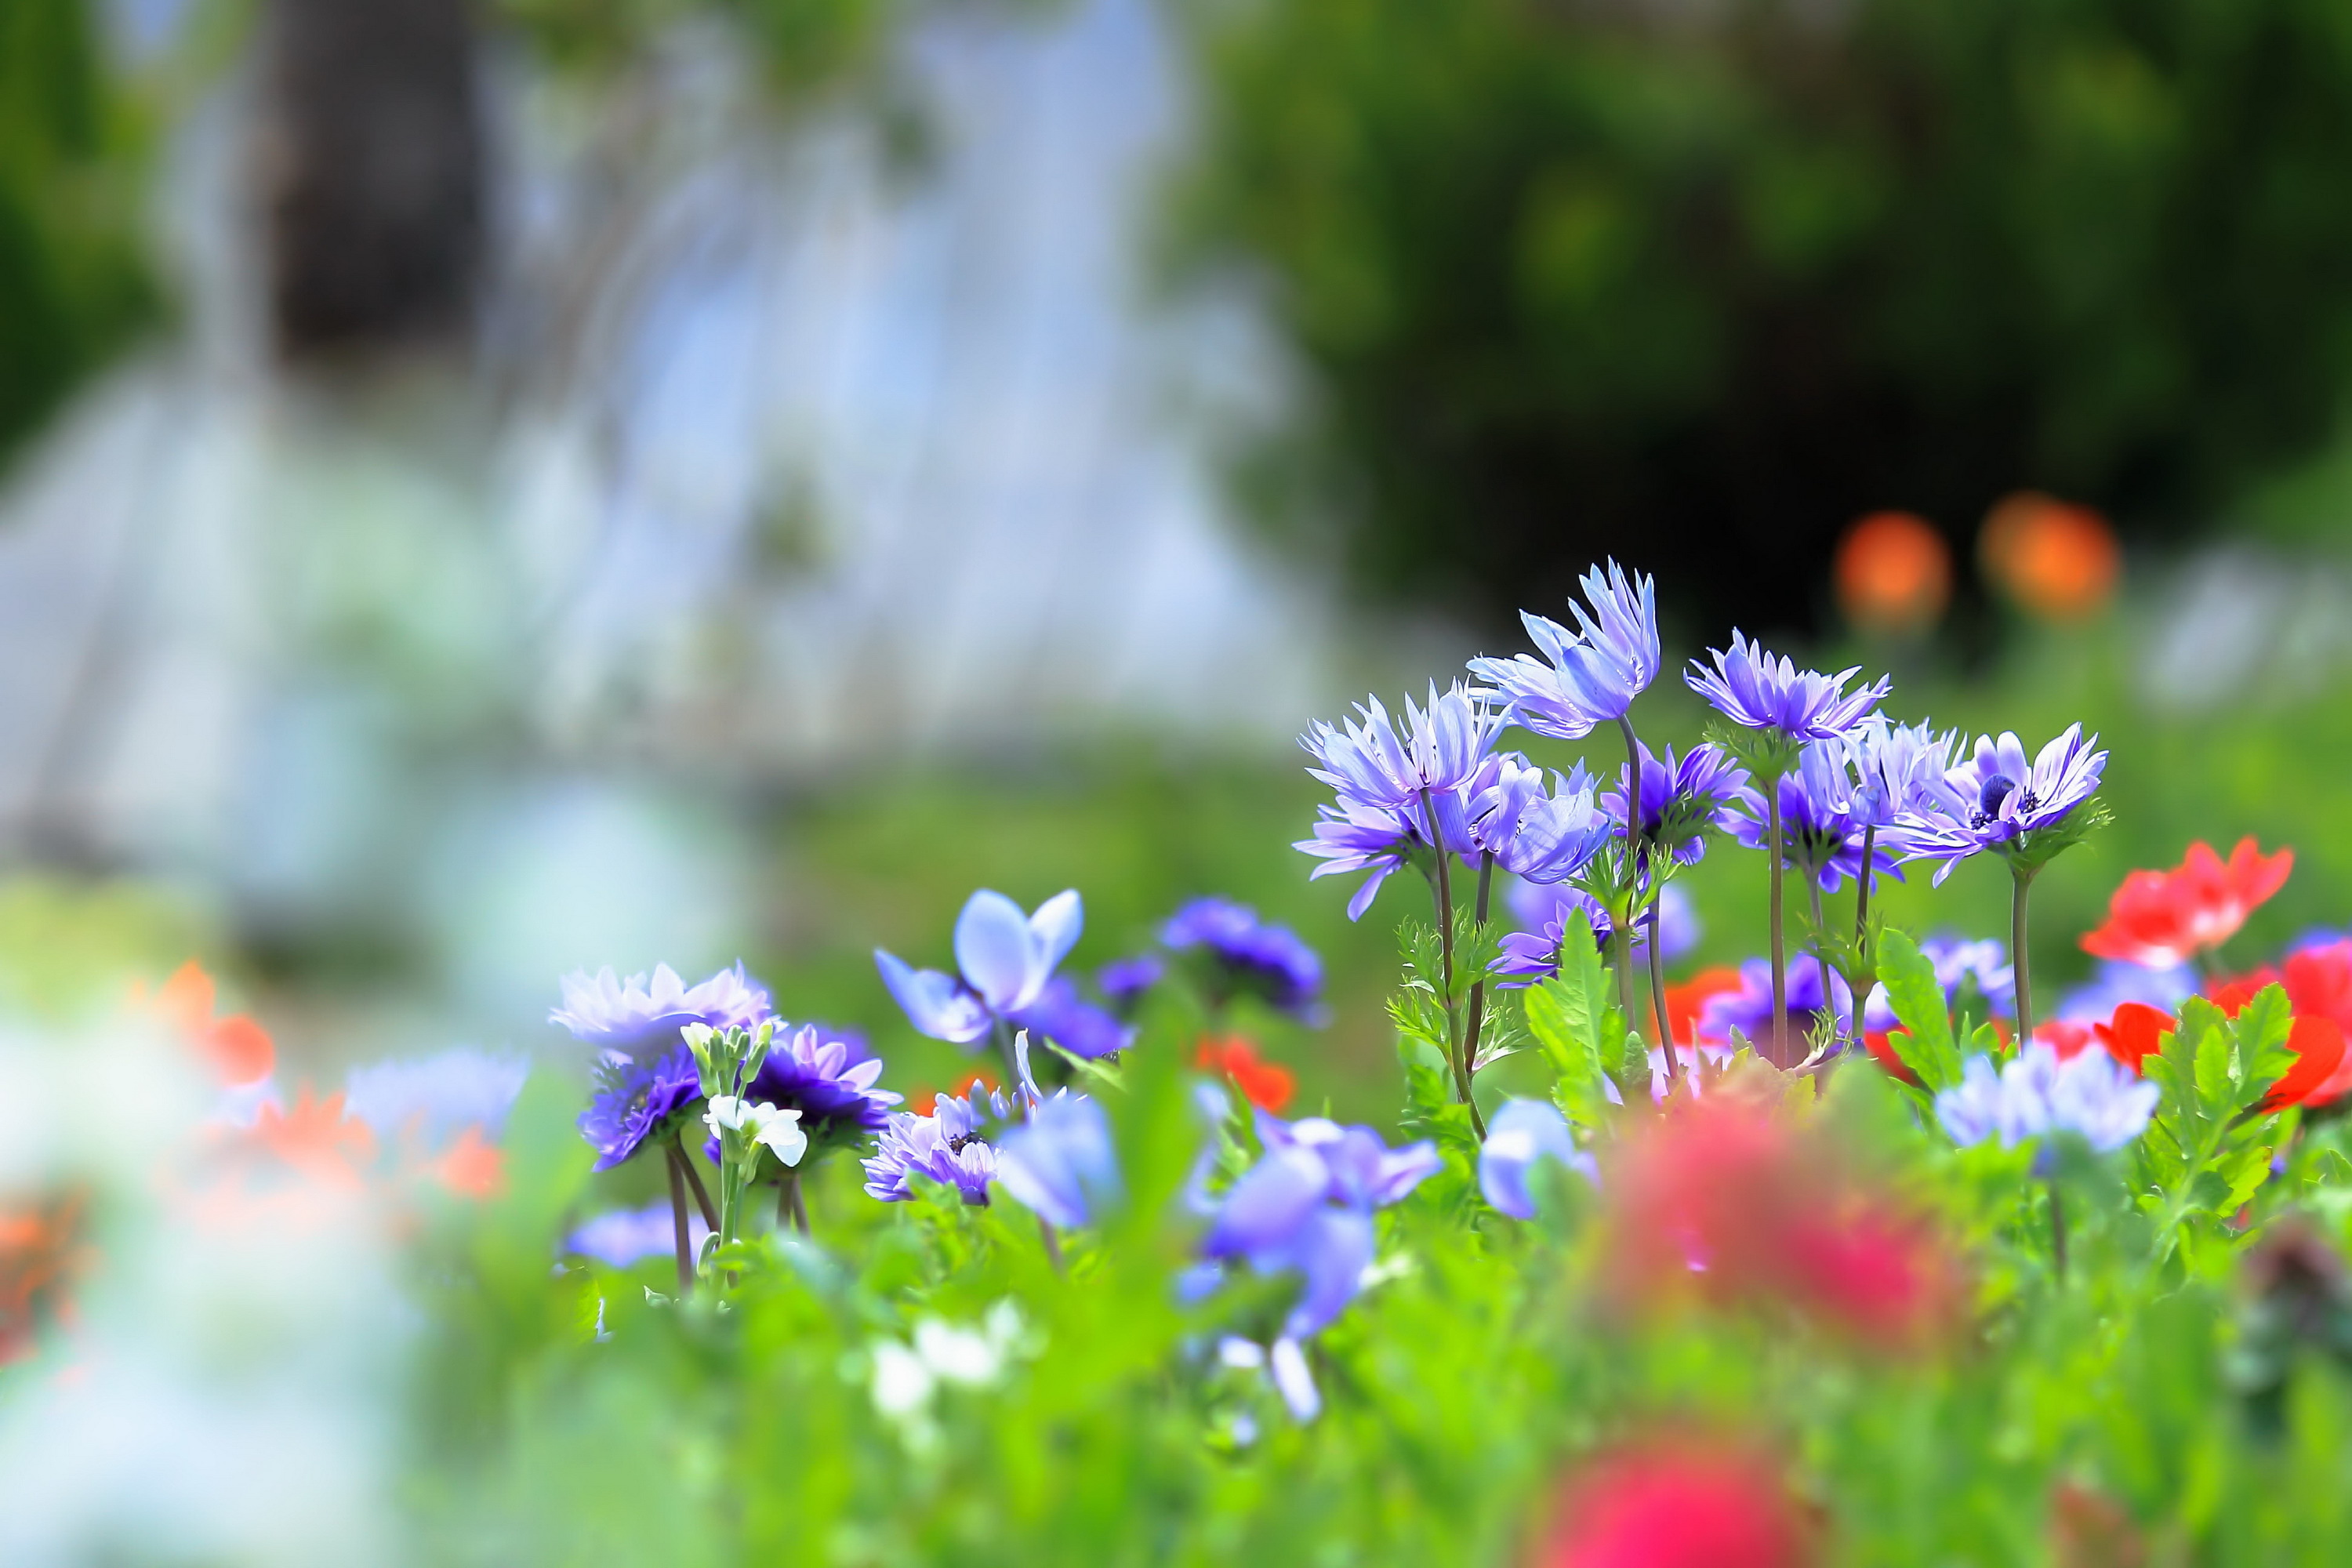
(1075, 1025)
(619, 1238)
(947, 1146)
(1369, 764)
(1756, 692)
(437, 1096)
(1955, 960)
(635, 1100)
(1897, 767)
(1533, 954)
(1542, 836)
(826, 1076)
(642, 1017)
(1681, 798)
(1750, 1008)
(1522, 1133)
(1586, 677)
(2090, 1093)
(1251, 954)
(1997, 801)
(1061, 1162)
(1352, 838)
(2120, 980)
(1820, 818)
(1006, 959)
(1309, 1204)
(1124, 981)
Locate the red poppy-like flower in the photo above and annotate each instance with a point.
(1263, 1083)
(1724, 1201)
(238, 1050)
(1894, 572)
(2319, 1072)
(1684, 1002)
(2135, 1034)
(2163, 918)
(1679, 1504)
(2056, 559)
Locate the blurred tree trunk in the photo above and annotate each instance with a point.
(371, 168)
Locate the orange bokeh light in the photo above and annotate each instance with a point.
(1894, 572)
(2056, 559)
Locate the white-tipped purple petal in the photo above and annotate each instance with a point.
(1287, 1365)
(936, 1004)
(1054, 929)
(996, 952)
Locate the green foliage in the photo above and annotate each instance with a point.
(74, 281)
(1564, 277)
(2207, 1152)
(1582, 1031)
(1925, 1043)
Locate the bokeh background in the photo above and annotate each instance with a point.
(501, 487)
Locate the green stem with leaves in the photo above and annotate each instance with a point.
(677, 1220)
(1477, 1000)
(2023, 883)
(1780, 1051)
(1821, 947)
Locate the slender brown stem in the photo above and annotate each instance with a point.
(1478, 999)
(791, 1207)
(1822, 949)
(1053, 1242)
(694, 1180)
(677, 1220)
(1780, 1052)
(1658, 1000)
(1861, 899)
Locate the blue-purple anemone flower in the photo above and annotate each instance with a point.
(1353, 838)
(828, 1076)
(1588, 676)
(1750, 1008)
(642, 1017)
(1756, 692)
(1522, 1134)
(1124, 981)
(1308, 1205)
(1007, 960)
(1061, 1162)
(1539, 835)
(1820, 820)
(1897, 768)
(433, 1097)
(1997, 801)
(2089, 1093)
(1250, 954)
(947, 1146)
(635, 1100)
(619, 1238)
(1532, 953)
(1682, 797)
(1369, 764)
(1956, 960)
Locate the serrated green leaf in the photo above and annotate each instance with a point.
(2260, 1033)
(1918, 1000)
(1572, 1018)
(2205, 1042)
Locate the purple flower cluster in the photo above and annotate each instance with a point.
(947, 1146)
(1998, 801)
(1249, 954)
(637, 1102)
(642, 1017)
(1757, 692)
(1681, 798)
(1006, 960)
(1750, 1008)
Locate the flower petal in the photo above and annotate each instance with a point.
(994, 949)
(936, 1004)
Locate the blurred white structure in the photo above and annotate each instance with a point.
(780, 459)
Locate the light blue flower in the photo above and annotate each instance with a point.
(2090, 1093)
(1521, 1134)
(1588, 676)
(1061, 1161)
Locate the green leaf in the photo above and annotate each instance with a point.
(2205, 1043)
(1572, 1018)
(1918, 999)
(2261, 1031)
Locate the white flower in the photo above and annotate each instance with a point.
(762, 1123)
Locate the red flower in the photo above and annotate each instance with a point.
(2067, 1038)
(237, 1049)
(1679, 1505)
(1263, 1083)
(1880, 1043)
(1684, 1002)
(2319, 1072)
(2135, 1034)
(2232, 995)
(2163, 917)
(1725, 1202)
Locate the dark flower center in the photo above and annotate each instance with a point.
(1996, 789)
(957, 1144)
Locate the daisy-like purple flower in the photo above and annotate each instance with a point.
(1309, 1204)
(1682, 797)
(1531, 956)
(1370, 763)
(1124, 981)
(1897, 768)
(1538, 834)
(828, 1076)
(637, 1102)
(1588, 676)
(1061, 1161)
(1355, 838)
(1956, 960)
(433, 1097)
(1006, 960)
(1998, 801)
(1249, 954)
(1750, 1008)
(1819, 821)
(1756, 692)
(947, 1146)
(1522, 1135)
(2090, 1093)
(642, 1015)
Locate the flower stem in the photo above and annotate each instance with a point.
(1658, 999)
(791, 1207)
(1821, 952)
(1477, 998)
(2023, 880)
(1639, 856)
(677, 1220)
(1444, 893)
(694, 1180)
(1861, 899)
(1778, 1055)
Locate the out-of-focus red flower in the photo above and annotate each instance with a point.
(2232, 995)
(237, 1049)
(1880, 1043)
(2163, 917)
(2136, 1032)
(40, 1250)
(471, 1167)
(1688, 1504)
(922, 1099)
(317, 1139)
(2091, 1529)
(1685, 1001)
(2065, 1038)
(1894, 572)
(2318, 1046)
(2056, 559)
(1724, 1201)
(1265, 1084)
